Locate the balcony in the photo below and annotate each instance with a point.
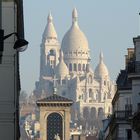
(122, 115)
(134, 67)
(119, 117)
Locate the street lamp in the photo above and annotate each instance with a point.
(20, 44)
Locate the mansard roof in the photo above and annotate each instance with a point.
(123, 82)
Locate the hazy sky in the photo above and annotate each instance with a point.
(109, 26)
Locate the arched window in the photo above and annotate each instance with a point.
(79, 67)
(87, 67)
(83, 67)
(54, 126)
(75, 67)
(70, 67)
(52, 52)
(93, 113)
(100, 113)
(93, 117)
(86, 113)
(90, 93)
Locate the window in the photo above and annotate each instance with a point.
(138, 106)
(79, 67)
(100, 113)
(52, 52)
(70, 67)
(90, 92)
(54, 125)
(128, 134)
(87, 67)
(83, 67)
(75, 67)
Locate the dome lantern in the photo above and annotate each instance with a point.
(74, 16)
(50, 18)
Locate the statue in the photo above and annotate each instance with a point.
(56, 137)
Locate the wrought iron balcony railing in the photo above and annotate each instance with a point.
(119, 116)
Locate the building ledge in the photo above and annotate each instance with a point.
(134, 75)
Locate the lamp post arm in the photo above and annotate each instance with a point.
(5, 37)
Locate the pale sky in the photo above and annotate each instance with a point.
(109, 26)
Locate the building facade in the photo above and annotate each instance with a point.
(55, 117)
(67, 67)
(11, 20)
(124, 123)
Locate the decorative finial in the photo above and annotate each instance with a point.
(50, 18)
(74, 15)
(101, 57)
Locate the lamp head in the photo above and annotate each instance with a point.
(21, 45)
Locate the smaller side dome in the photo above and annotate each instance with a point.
(101, 70)
(61, 70)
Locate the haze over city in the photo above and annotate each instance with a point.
(70, 70)
(108, 25)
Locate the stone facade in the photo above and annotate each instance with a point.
(124, 123)
(67, 68)
(53, 105)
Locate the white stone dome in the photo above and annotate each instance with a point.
(101, 70)
(61, 69)
(50, 32)
(74, 39)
